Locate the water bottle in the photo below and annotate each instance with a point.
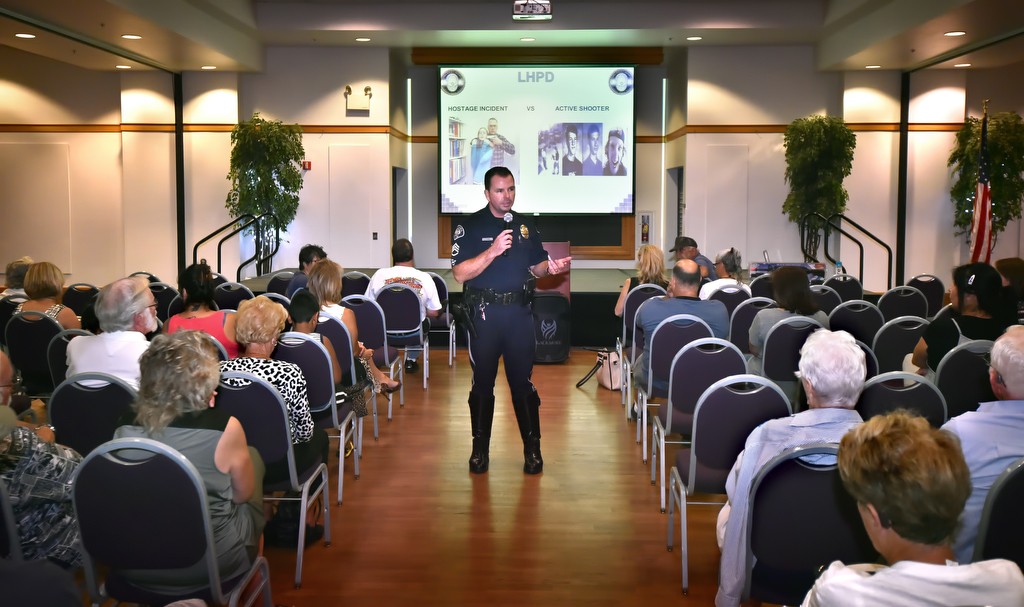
(839, 268)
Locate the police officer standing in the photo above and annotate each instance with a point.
(497, 254)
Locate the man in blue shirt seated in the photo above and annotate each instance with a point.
(683, 289)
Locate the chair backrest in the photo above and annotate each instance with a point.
(962, 377)
(782, 344)
(125, 477)
(229, 294)
(218, 279)
(859, 318)
(668, 338)
(281, 299)
(28, 337)
(354, 283)
(932, 288)
(725, 415)
(730, 296)
(333, 329)
(741, 319)
(762, 287)
(401, 306)
(311, 356)
(790, 544)
(176, 306)
(149, 276)
(370, 320)
(164, 294)
(636, 296)
(895, 340)
(826, 297)
(10, 541)
(903, 301)
(695, 367)
(87, 408)
(440, 322)
(57, 353)
(278, 283)
(945, 311)
(1001, 531)
(894, 390)
(847, 285)
(78, 296)
(870, 360)
(7, 307)
(258, 406)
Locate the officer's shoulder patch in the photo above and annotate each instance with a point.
(459, 232)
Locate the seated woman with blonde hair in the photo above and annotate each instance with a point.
(325, 284)
(44, 287)
(650, 269)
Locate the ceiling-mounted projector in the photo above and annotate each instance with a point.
(531, 10)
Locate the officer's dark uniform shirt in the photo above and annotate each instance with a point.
(507, 272)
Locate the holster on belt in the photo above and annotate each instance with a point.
(463, 313)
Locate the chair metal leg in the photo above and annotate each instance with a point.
(677, 496)
(303, 507)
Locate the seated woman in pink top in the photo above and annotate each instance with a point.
(200, 314)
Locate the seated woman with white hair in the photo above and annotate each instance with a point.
(728, 265)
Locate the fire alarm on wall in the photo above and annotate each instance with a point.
(306, 165)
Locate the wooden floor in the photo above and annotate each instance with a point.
(418, 529)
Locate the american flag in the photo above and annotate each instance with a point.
(981, 221)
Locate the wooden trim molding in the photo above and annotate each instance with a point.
(622, 251)
(60, 128)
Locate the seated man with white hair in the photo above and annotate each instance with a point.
(832, 370)
(126, 310)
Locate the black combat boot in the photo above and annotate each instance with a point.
(481, 413)
(527, 410)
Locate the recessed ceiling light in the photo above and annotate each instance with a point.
(527, 39)
(25, 36)
(872, 67)
(131, 36)
(954, 34)
(123, 67)
(208, 67)
(962, 65)
(363, 39)
(694, 38)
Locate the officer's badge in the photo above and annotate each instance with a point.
(525, 231)
(455, 250)
(459, 232)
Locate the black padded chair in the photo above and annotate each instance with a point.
(164, 294)
(281, 299)
(894, 390)
(895, 339)
(443, 322)
(668, 338)
(7, 307)
(847, 285)
(870, 360)
(731, 296)
(741, 319)
(125, 477)
(945, 311)
(57, 353)
(799, 519)
(624, 344)
(79, 295)
(780, 356)
(932, 288)
(963, 378)
(229, 295)
(373, 330)
(336, 331)
(147, 275)
(1001, 530)
(10, 540)
(827, 298)
(725, 415)
(762, 287)
(405, 329)
(278, 283)
(28, 337)
(354, 283)
(857, 317)
(258, 406)
(87, 408)
(695, 367)
(312, 357)
(903, 301)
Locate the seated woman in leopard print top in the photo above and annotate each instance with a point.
(259, 321)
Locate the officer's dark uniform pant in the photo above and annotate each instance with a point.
(506, 331)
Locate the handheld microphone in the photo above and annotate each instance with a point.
(508, 226)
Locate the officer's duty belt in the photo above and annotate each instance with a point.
(490, 296)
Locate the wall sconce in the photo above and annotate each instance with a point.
(357, 102)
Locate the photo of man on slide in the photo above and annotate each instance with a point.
(593, 164)
(616, 150)
(501, 145)
(571, 164)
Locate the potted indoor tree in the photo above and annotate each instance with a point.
(1005, 170)
(265, 176)
(819, 155)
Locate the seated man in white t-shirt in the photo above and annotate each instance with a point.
(126, 310)
(911, 482)
(403, 272)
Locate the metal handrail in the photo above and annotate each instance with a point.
(239, 224)
(866, 232)
(195, 249)
(277, 245)
(829, 226)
